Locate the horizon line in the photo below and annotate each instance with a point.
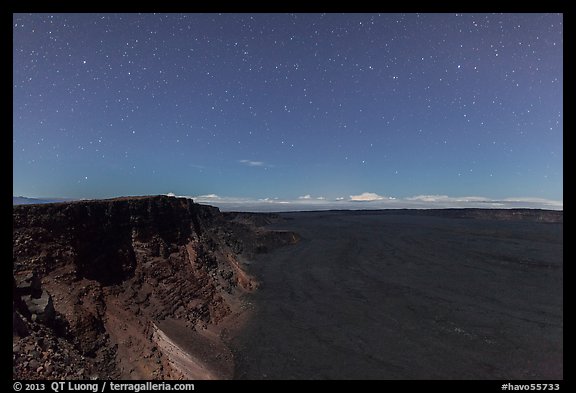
(354, 202)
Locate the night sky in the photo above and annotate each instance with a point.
(316, 108)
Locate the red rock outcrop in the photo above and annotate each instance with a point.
(117, 288)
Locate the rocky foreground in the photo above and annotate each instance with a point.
(131, 288)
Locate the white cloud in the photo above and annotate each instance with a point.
(524, 199)
(446, 198)
(208, 196)
(366, 197)
(427, 198)
(549, 203)
(445, 201)
(252, 163)
(309, 197)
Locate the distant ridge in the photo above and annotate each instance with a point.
(21, 200)
(518, 214)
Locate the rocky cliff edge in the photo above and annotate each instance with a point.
(131, 288)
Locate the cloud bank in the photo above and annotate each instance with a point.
(369, 200)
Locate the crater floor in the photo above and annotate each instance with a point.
(385, 296)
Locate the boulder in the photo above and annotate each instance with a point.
(43, 306)
(28, 284)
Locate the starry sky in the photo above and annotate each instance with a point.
(289, 107)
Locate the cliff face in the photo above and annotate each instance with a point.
(100, 287)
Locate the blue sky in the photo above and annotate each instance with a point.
(256, 106)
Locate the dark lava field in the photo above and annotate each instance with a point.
(408, 295)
